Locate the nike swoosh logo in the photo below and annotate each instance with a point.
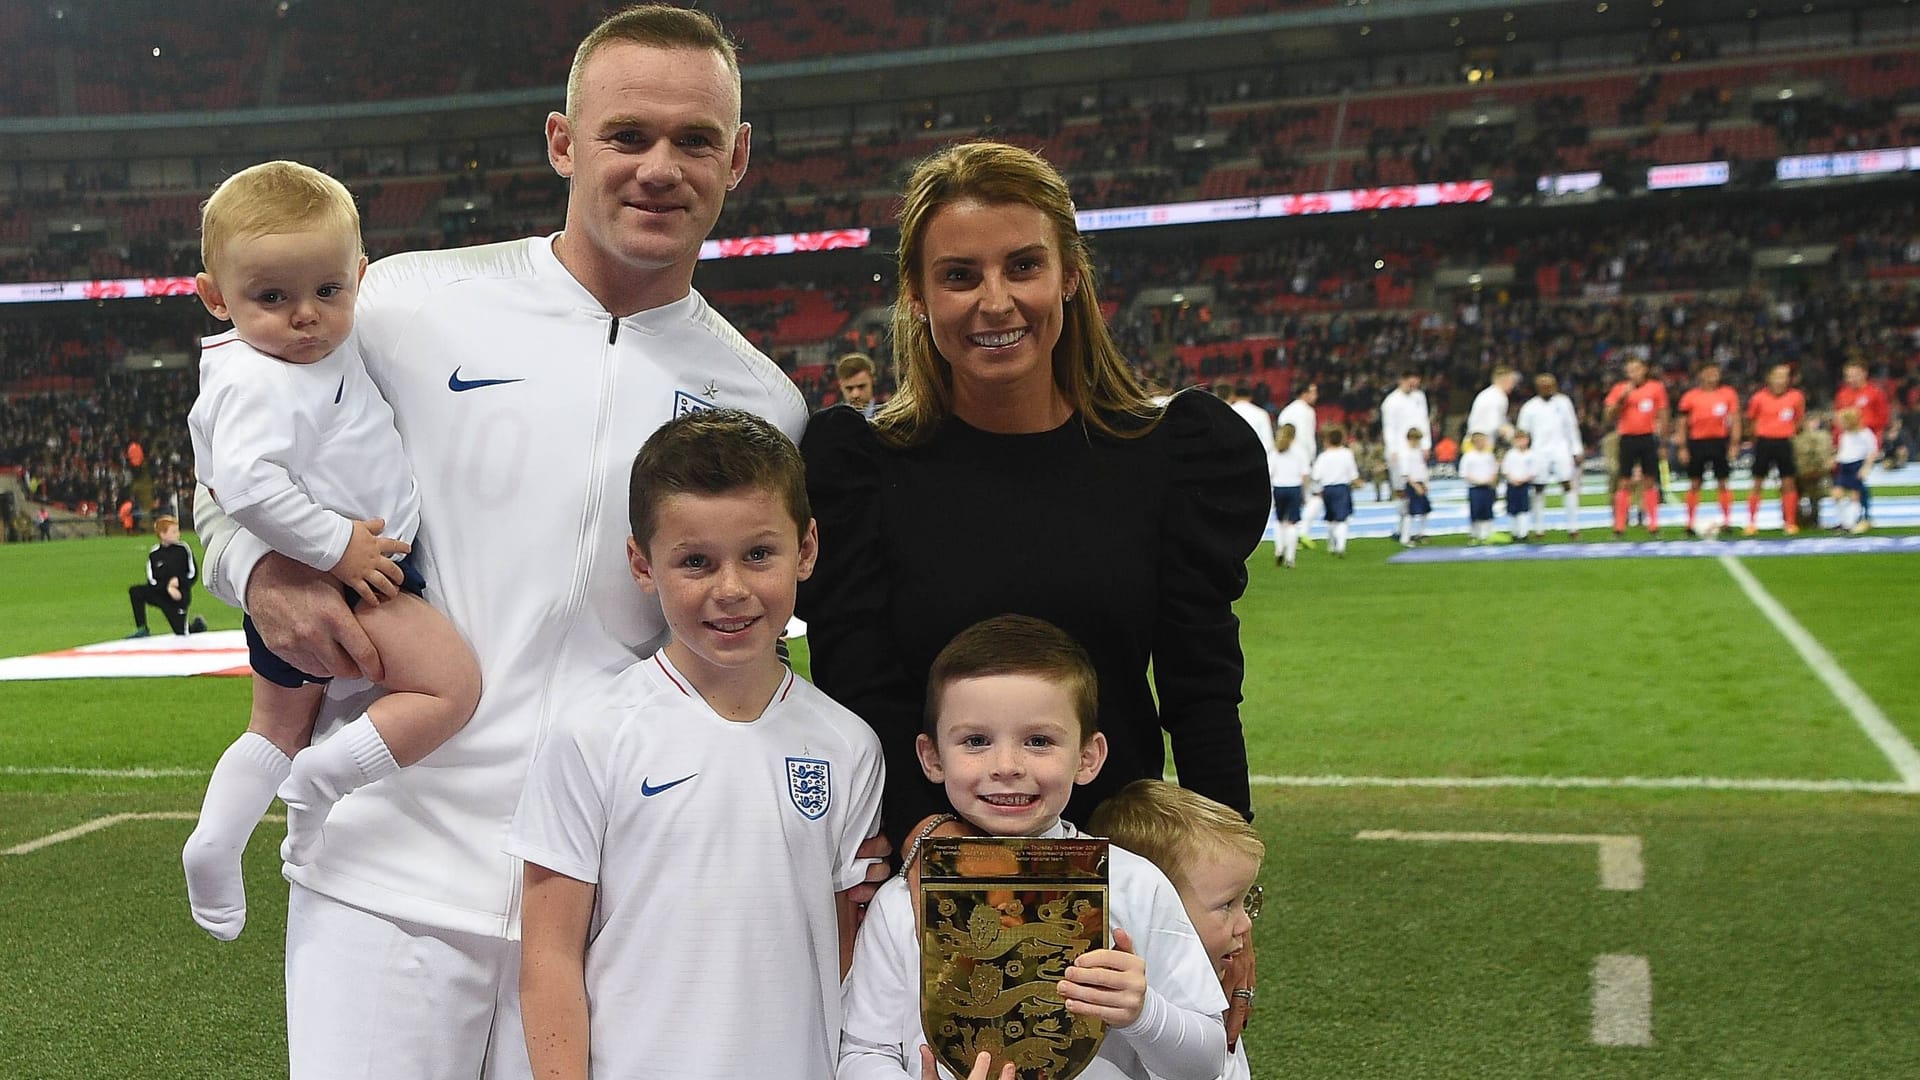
(649, 791)
(458, 385)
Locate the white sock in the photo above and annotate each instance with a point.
(1289, 540)
(1537, 512)
(1337, 530)
(1400, 523)
(1406, 528)
(1419, 524)
(1572, 502)
(239, 791)
(1517, 526)
(1312, 512)
(322, 775)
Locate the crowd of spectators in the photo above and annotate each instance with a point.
(72, 443)
(75, 450)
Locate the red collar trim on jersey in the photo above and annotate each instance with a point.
(668, 672)
(786, 687)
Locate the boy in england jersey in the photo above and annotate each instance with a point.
(689, 828)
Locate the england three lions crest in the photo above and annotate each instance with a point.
(810, 786)
(684, 403)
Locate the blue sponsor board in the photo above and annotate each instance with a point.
(1665, 549)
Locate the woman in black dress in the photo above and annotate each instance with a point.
(1021, 467)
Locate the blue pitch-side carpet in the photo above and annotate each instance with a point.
(1664, 549)
(1449, 518)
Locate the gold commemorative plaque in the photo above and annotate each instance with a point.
(1001, 920)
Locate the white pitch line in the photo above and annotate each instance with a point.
(1621, 867)
(1894, 744)
(1622, 1000)
(1663, 783)
(108, 822)
(116, 774)
(96, 825)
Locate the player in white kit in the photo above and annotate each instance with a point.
(1302, 414)
(522, 376)
(1488, 414)
(1403, 409)
(1549, 420)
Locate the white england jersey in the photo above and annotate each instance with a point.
(1283, 470)
(298, 452)
(1856, 446)
(1478, 467)
(1336, 466)
(882, 1034)
(1401, 412)
(1488, 413)
(522, 403)
(1411, 465)
(1517, 466)
(1555, 434)
(1305, 423)
(716, 848)
(1261, 423)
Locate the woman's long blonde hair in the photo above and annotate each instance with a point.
(1087, 366)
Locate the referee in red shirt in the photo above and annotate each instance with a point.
(1868, 400)
(1640, 406)
(1776, 412)
(1712, 409)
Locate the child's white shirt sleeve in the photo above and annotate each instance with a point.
(246, 429)
(863, 817)
(562, 817)
(884, 983)
(1180, 1034)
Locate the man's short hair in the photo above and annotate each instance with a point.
(661, 26)
(1017, 645)
(1173, 828)
(273, 197)
(714, 452)
(852, 364)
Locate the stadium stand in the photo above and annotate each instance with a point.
(1343, 301)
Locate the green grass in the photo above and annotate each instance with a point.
(1779, 925)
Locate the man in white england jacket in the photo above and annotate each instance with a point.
(523, 377)
(1548, 418)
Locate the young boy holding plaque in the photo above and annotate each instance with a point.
(1011, 728)
(691, 828)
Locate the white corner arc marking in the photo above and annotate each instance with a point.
(1892, 742)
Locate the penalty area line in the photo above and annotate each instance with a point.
(107, 822)
(111, 774)
(1657, 783)
(1900, 753)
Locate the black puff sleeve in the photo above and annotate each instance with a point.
(1216, 512)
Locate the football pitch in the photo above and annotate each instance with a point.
(1633, 818)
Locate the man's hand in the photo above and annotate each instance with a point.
(1685, 456)
(1108, 983)
(877, 848)
(303, 618)
(365, 567)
